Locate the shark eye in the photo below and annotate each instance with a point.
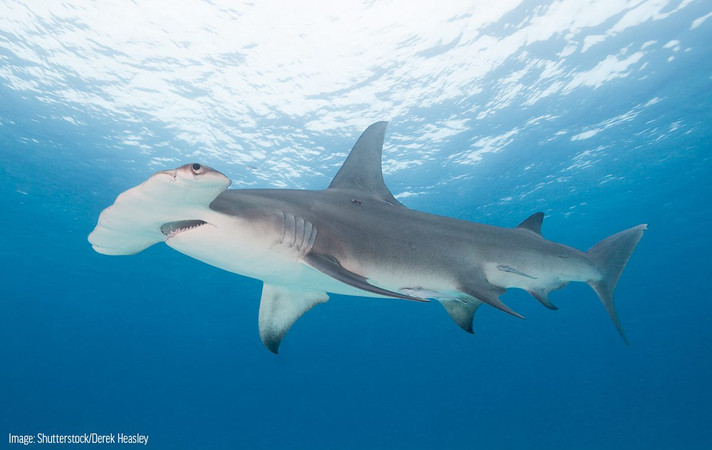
(196, 168)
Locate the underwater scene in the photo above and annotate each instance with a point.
(190, 261)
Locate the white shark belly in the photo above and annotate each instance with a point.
(258, 255)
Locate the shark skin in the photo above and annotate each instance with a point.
(353, 238)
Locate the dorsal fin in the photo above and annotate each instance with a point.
(533, 223)
(361, 171)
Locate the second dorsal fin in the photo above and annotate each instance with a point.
(361, 172)
(533, 223)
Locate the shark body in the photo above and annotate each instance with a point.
(353, 238)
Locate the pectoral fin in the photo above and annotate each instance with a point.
(332, 267)
(280, 307)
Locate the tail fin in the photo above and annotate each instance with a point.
(610, 257)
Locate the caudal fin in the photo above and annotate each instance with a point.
(610, 257)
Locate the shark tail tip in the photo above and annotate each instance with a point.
(610, 256)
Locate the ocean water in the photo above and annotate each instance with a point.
(597, 113)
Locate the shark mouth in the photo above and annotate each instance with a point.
(171, 229)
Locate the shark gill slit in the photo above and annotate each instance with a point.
(305, 235)
(290, 229)
(312, 239)
(284, 226)
(299, 233)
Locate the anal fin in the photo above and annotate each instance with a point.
(543, 298)
(280, 307)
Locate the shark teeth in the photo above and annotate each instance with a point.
(171, 229)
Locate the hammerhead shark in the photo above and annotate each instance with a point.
(352, 238)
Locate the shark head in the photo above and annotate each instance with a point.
(167, 204)
(192, 185)
(188, 184)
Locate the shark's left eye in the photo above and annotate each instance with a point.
(196, 168)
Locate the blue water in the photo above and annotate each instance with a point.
(600, 115)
